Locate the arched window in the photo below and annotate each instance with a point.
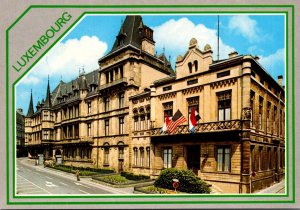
(190, 66)
(196, 65)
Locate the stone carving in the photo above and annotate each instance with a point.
(247, 113)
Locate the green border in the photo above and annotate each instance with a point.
(151, 196)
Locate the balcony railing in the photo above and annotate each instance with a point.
(202, 127)
(86, 139)
(116, 82)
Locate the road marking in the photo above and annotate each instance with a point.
(63, 183)
(36, 172)
(84, 192)
(34, 184)
(77, 183)
(50, 184)
(86, 186)
(49, 177)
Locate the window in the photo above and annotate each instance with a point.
(223, 74)
(89, 107)
(168, 109)
(148, 157)
(193, 103)
(106, 104)
(77, 111)
(106, 156)
(196, 65)
(135, 156)
(253, 74)
(224, 105)
(107, 77)
(111, 76)
(275, 120)
(121, 72)
(121, 152)
(89, 131)
(193, 81)
(148, 121)
(46, 115)
(252, 99)
(46, 134)
(166, 88)
(252, 158)
(260, 113)
(260, 158)
(121, 125)
(70, 112)
(121, 100)
(167, 157)
(136, 123)
(262, 80)
(269, 158)
(223, 159)
(106, 124)
(142, 153)
(268, 116)
(142, 127)
(190, 66)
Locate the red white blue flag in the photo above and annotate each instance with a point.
(194, 118)
(176, 120)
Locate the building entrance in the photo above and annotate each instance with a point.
(193, 158)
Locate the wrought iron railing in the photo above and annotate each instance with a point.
(202, 127)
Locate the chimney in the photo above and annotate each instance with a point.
(20, 110)
(256, 58)
(233, 54)
(280, 80)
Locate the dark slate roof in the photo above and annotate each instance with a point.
(82, 82)
(48, 103)
(130, 32)
(30, 108)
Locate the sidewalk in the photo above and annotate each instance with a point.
(277, 188)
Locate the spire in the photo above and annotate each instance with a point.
(30, 108)
(48, 103)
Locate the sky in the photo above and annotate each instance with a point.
(94, 35)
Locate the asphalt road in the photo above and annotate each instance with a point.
(38, 180)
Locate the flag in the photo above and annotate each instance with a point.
(194, 118)
(176, 120)
(167, 121)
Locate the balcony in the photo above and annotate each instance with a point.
(219, 126)
(119, 82)
(85, 139)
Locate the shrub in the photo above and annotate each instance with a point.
(114, 179)
(188, 181)
(133, 177)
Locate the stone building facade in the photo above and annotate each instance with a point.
(20, 133)
(112, 117)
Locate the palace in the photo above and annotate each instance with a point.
(112, 117)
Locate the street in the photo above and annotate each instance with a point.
(38, 180)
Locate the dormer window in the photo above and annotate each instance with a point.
(190, 66)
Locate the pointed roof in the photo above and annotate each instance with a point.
(30, 108)
(130, 32)
(48, 103)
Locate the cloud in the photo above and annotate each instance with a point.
(273, 63)
(30, 80)
(175, 35)
(66, 58)
(244, 25)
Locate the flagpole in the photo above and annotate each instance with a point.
(218, 38)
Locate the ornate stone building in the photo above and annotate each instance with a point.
(112, 117)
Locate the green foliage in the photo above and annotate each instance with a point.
(188, 181)
(134, 177)
(154, 190)
(117, 179)
(83, 171)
